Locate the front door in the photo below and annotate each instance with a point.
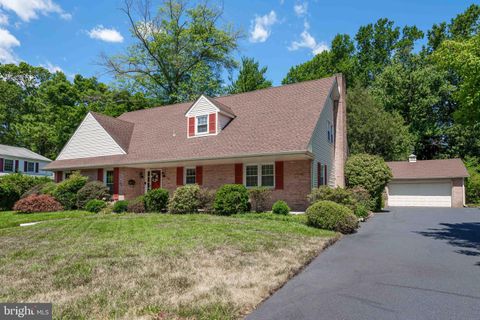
(155, 179)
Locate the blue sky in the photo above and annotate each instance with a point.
(70, 35)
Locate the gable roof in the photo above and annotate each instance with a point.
(20, 152)
(216, 104)
(119, 130)
(269, 121)
(428, 169)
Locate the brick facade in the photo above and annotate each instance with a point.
(457, 192)
(131, 191)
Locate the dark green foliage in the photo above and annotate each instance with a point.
(338, 195)
(92, 190)
(331, 216)
(280, 207)
(369, 172)
(120, 206)
(206, 198)
(259, 197)
(42, 188)
(95, 205)
(361, 211)
(362, 197)
(472, 184)
(12, 186)
(156, 200)
(136, 205)
(231, 199)
(66, 191)
(185, 200)
(251, 77)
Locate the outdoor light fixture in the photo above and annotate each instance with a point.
(141, 175)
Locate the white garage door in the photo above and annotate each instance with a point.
(424, 194)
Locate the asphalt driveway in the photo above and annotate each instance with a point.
(421, 263)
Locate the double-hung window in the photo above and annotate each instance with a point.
(109, 180)
(202, 124)
(8, 165)
(30, 166)
(330, 132)
(190, 176)
(260, 175)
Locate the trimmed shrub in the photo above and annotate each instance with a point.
(90, 191)
(156, 200)
(136, 205)
(280, 207)
(370, 172)
(185, 200)
(331, 216)
(231, 199)
(120, 206)
(361, 196)
(37, 203)
(361, 211)
(12, 186)
(259, 197)
(206, 198)
(472, 183)
(339, 195)
(95, 205)
(41, 188)
(66, 191)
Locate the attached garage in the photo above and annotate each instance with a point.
(427, 183)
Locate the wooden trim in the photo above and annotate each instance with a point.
(179, 176)
(191, 126)
(212, 123)
(279, 175)
(100, 174)
(116, 183)
(239, 173)
(199, 175)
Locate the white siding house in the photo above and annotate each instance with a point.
(22, 160)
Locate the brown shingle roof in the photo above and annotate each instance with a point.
(428, 169)
(119, 130)
(274, 120)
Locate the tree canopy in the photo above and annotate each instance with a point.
(250, 77)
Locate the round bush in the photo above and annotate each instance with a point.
(206, 198)
(338, 195)
(156, 200)
(120, 206)
(136, 205)
(369, 172)
(37, 203)
(90, 191)
(231, 199)
(185, 200)
(95, 205)
(331, 216)
(361, 211)
(280, 207)
(66, 191)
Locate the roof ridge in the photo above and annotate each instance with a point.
(233, 94)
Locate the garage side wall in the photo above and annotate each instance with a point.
(457, 193)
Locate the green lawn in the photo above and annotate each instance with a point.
(156, 266)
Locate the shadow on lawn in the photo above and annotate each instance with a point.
(465, 235)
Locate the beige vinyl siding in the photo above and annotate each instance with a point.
(322, 150)
(90, 140)
(202, 107)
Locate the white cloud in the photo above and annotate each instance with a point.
(30, 9)
(51, 67)
(301, 9)
(3, 18)
(7, 43)
(261, 27)
(105, 34)
(308, 41)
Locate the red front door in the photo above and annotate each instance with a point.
(156, 178)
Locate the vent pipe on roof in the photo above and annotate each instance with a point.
(412, 158)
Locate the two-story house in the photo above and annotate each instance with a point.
(289, 139)
(16, 159)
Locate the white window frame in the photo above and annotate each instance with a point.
(259, 174)
(185, 175)
(196, 125)
(13, 165)
(28, 163)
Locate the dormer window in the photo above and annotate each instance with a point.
(202, 124)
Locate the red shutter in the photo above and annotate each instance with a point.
(325, 175)
(58, 176)
(199, 175)
(1, 164)
(25, 166)
(279, 175)
(238, 173)
(100, 174)
(191, 126)
(16, 166)
(179, 176)
(319, 174)
(212, 123)
(116, 183)
(36, 167)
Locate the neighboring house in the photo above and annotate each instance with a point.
(289, 139)
(16, 159)
(427, 183)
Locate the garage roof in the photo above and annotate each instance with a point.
(428, 169)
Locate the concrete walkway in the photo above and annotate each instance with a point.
(421, 263)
